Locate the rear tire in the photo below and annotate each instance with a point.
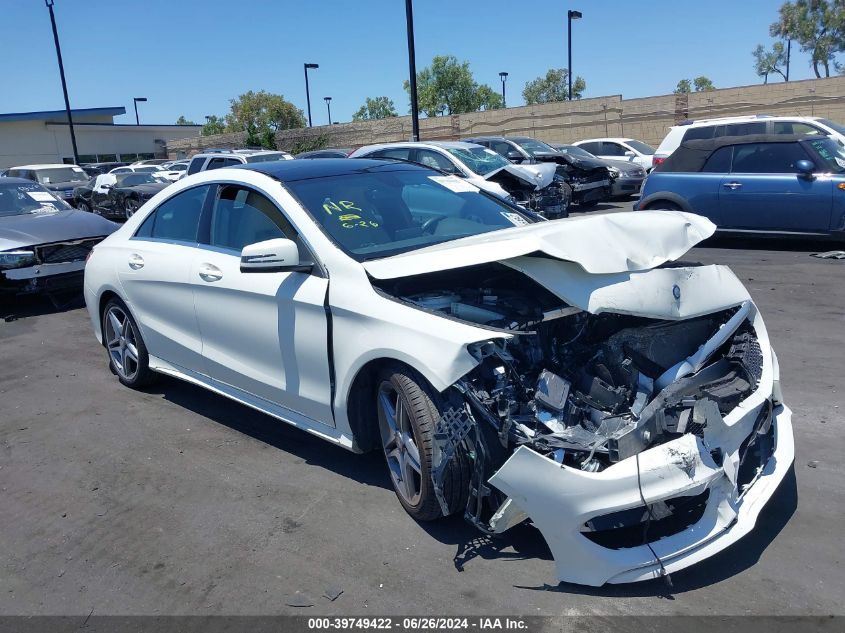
(408, 412)
(663, 205)
(128, 357)
(130, 206)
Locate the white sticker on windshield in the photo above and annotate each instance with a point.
(78, 170)
(839, 161)
(453, 183)
(41, 196)
(487, 150)
(517, 219)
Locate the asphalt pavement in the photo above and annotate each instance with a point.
(178, 501)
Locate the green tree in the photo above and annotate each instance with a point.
(377, 108)
(817, 25)
(769, 61)
(448, 86)
(214, 125)
(702, 84)
(684, 87)
(261, 114)
(183, 121)
(553, 87)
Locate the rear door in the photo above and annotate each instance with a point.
(764, 191)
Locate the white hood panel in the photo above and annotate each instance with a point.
(612, 243)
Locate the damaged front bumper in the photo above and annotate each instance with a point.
(51, 277)
(564, 503)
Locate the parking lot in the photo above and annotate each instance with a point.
(176, 500)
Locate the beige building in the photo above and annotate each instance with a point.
(44, 137)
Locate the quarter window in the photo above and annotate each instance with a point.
(719, 161)
(196, 165)
(241, 216)
(790, 127)
(767, 158)
(177, 218)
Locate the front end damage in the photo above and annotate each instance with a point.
(635, 419)
(535, 187)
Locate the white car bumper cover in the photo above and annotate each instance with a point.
(560, 500)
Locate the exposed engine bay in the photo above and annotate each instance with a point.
(549, 195)
(589, 183)
(584, 390)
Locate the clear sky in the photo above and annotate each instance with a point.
(189, 57)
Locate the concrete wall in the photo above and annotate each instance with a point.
(647, 119)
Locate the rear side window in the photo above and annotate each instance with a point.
(176, 219)
(794, 127)
(216, 163)
(699, 133)
(767, 158)
(719, 161)
(398, 153)
(195, 165)
(741, 129)
(593, 148)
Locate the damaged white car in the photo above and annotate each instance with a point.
(568, 373)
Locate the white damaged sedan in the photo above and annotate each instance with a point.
(568, 373)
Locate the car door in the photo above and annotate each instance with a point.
(264, 333)
(156, 278)
(765, 192)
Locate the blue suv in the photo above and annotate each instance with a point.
(771, 184)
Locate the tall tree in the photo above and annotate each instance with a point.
(770, 61)
(377, 108)
(817, 25)
(553, 87)
(447, 86)
(214, 125)
(183, 121)
(684, 86)
(702, 84)
(261, 114)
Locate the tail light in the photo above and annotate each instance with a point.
(657, 160)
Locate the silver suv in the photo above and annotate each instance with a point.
(227, 158)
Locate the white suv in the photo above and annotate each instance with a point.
(743, 126)
(230, 158)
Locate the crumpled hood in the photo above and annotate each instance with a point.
(31, 229)
(609, 243)
(587, 164)
(537, 176)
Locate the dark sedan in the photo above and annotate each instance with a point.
(117, 195)
(43, 241)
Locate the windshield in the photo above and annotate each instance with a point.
(130, 180)
(147, 170)
(479, 159)
(833, 125)
(533, 146)
(21, 199)
(573, 150)
(831, 152)
(262, 158)
(390, 211)
(60, 174)
(641, 147)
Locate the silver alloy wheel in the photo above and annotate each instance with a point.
(130, 207)
(122, 344)
(400, 448)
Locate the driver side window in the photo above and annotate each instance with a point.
(241, 216)
(434, 160)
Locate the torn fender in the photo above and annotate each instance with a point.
(613, 243)
(560, 500)
(535, 176)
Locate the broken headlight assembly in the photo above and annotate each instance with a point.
(17, 259)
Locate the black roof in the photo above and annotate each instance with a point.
(691, 155)
(298, 169)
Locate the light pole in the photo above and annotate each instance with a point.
(412, 71)
(328, 101)
(571, 15)
(135, 101)
(307, 92)
(64, 83)
(504, 77)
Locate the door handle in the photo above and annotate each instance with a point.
(136, 261)
(733, 186)
(209, 272)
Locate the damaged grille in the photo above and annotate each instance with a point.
(626, 528)
(65, 251)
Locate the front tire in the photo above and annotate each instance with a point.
(408, 413)
(130, 206)
(128, 357)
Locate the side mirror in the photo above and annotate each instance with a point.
(106, 186)
(514, 156)
(272, 256)
(805, 167)
(630, 154)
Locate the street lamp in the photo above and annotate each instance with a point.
(571, 15)
(328, 101)
(412, 70)
(136, 100)
(307, 92)
(49, 4)
(504, 77)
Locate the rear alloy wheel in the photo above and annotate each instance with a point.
(130, 206)
(128, 358)
(407, 418)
